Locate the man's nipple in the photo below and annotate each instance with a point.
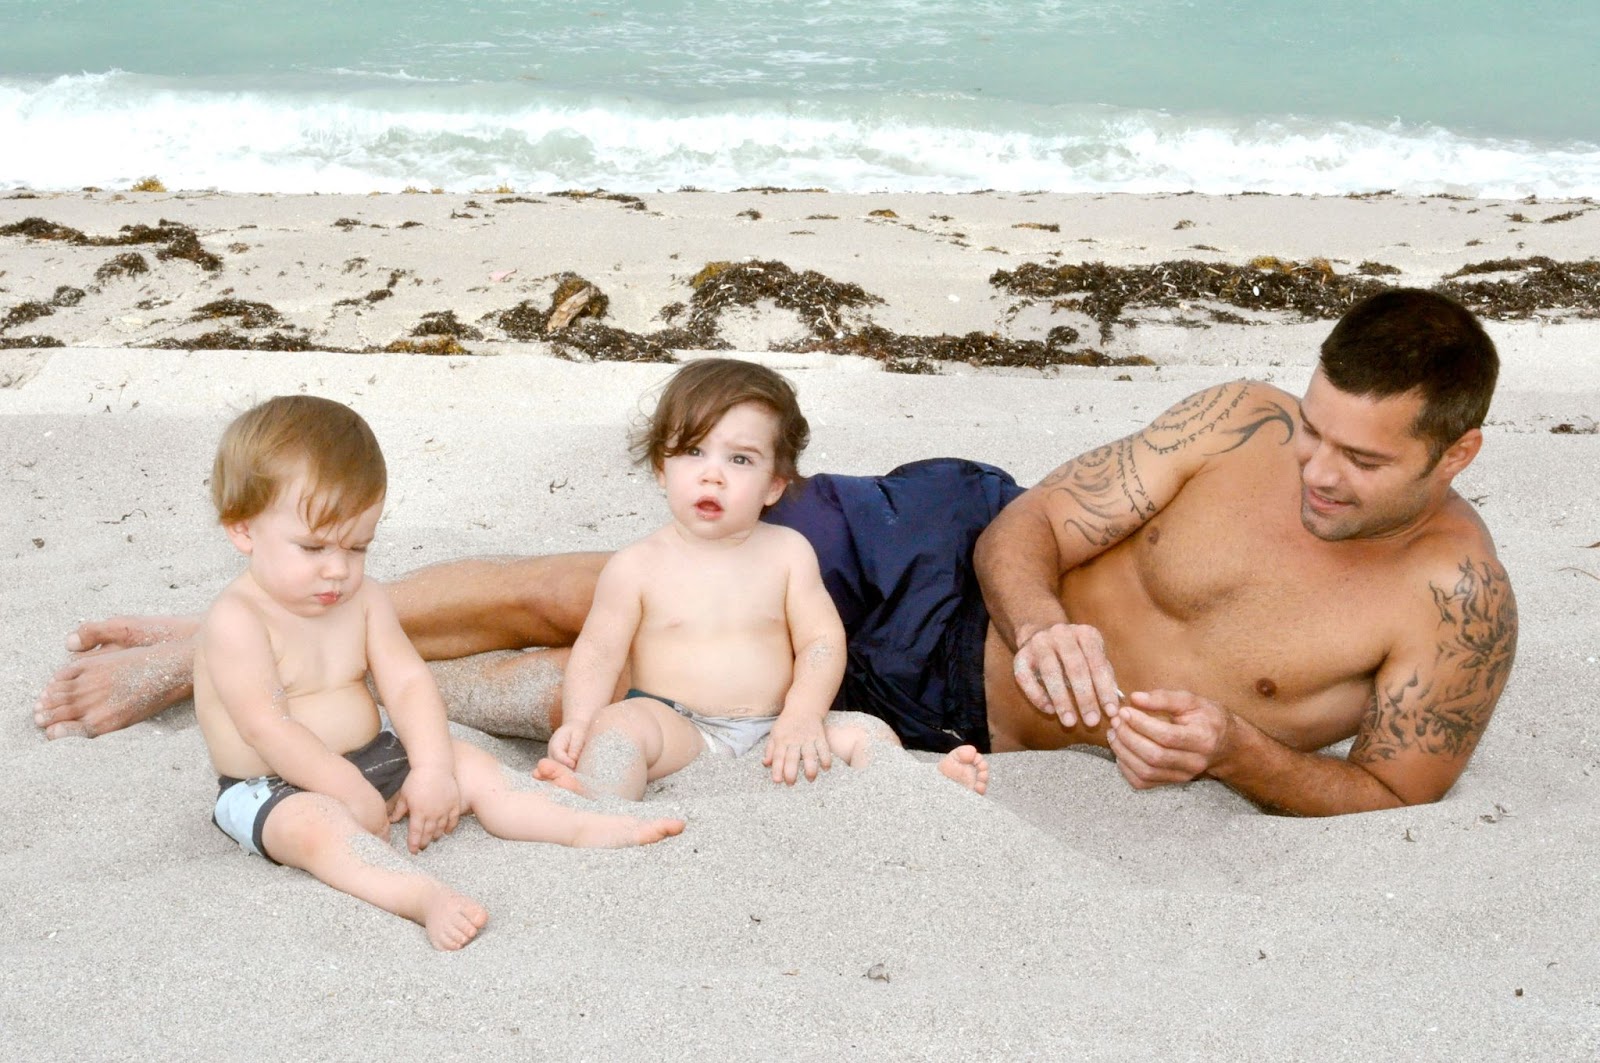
(1266, 687)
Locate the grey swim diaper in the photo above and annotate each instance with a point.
(732, 736)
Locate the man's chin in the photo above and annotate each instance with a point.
(1325, 528)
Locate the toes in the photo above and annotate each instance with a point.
(68, 729)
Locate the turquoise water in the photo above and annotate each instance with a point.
(1470, 97)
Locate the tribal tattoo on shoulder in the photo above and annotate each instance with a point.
(1442, 708)
(1105, 484)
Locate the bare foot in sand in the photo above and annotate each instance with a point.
(556, 773)
(121, 632)
(453, 920)
(967, 766)
(618, 832)
(123, 671)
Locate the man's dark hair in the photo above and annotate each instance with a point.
(1407, 339)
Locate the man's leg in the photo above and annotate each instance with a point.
(128, 669)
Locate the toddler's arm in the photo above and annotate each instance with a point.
(430, 795)
(798, 739)
(242, 668)
(599, 654)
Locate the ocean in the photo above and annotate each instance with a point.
(1465, 97)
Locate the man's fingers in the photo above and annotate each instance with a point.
(1028, 681)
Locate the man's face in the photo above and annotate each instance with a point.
(1363, 475)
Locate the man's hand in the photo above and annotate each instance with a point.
(1167, 736)
(433, 801)
(797, 740)
(1063, 670)
(566, 744)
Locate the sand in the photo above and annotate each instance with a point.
(884, 913)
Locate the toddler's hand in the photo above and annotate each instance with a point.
(433, 801)
(797, 741)
(566, 744)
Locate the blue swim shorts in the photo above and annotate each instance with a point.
(896, 555)
(243, 805)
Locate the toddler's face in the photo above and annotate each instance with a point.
(307, 572)
(718, 488)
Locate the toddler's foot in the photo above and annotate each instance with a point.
(965, 765)
(601, 831)
(453, 920)
(556, 773)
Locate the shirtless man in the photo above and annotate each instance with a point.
(1267, 576)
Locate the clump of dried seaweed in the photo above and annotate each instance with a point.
(15, 343)
(176, 240)
(251, 315)
(1541, 284)
(23, 313)
(444, 323)
(225, 339)
(1104, 292)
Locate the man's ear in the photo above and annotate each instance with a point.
(239, 535)
(1460, 453)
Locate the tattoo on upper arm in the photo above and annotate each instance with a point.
(1109, 495)
(1444, 706)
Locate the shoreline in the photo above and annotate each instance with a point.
(986, 279)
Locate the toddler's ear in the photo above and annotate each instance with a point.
(239, 535)
(775, 492)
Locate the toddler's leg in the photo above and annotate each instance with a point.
(522, 815)
(629, 744)
(317, 833)
(854, 737)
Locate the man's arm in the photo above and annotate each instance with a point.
(1084, 508)
(1431, 701)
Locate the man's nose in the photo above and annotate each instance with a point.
(1319, 469)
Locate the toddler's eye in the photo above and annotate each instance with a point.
(741, 459)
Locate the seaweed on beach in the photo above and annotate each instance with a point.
(437, 344)
(444, 323)
(1104, 293)
(176, 239)
(127, 264)
(66, 295)
(604, 343)
(23, 313)
(1540, 283)
(573, 298)
(630, 202)
(16, 343)
(225, 339)
(250, 315)
(917, 354)
(818, 301)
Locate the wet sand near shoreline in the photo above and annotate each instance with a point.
(884, 912)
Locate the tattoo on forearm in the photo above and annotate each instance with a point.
(1109, 497)
(1442, 708)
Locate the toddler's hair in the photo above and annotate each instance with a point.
(267, 445)
(697, 396)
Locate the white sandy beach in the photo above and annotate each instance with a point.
(1065, 916)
